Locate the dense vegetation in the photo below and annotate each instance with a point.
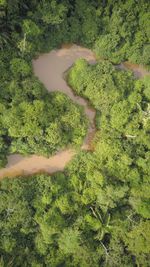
(96, 212)
(117, 31)
(34, 121)
(82, 217)
(122, 143)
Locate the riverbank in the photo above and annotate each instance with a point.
(50, 69)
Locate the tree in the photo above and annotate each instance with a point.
(138, 242)
(20, 68)
(51, 12)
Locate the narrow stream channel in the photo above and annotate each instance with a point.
(49, 68)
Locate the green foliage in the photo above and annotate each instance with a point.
(95, 213)
(106, 46)
(30, 28)
(38, 126)
(125, 32)
(102, 84)
(51, 12)
(121, 157)
(138, 241)
(20, 68)
(116, 31)
(79, 218)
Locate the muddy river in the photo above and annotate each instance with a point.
(50, 68)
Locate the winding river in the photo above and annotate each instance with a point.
(50, 68)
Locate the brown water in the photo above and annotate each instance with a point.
(19, 165)
(139, 71)
(49, 68)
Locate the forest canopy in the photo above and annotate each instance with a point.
(117, 31)
(96, 212)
